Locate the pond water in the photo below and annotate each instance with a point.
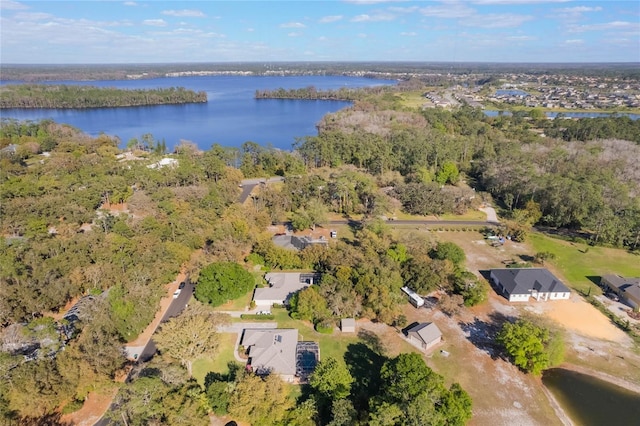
(590, 401)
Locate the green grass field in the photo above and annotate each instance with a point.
(578, 262)
(219, 363)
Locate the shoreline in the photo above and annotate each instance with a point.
(562, 415)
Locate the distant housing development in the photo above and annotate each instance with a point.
(519, 285)
(628, 289)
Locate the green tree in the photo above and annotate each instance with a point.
(222, 281)
(309, 305)
(259, 400)
(448, 173)
(331, 379)
(448, 251)
(191, 335)
(529, 345)
(407, 376)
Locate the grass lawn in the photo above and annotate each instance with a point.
(238, 304)
(469, 215)
(577, 263)
(331, 345)
(218, 364)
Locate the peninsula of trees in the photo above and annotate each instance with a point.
(71, 96)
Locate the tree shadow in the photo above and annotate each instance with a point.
(51, 419)
(364, 364)
(483, 333)
(372, 341)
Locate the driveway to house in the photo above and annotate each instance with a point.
(491, 214)
(248, 185)
(238, 327)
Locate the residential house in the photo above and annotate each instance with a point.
(272, 351)
(424, 335)
(627, 289)
(282, 285)
(519, 285)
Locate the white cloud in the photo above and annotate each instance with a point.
(579, 9)
(329, 19)
(191, 13)
(409, 34)
(517, 2)
(371, 1)
(292, 25)
(294, 34)
(12, 5)
(155, 22)
(362, 35)
(521, 38)
(454, 10)
(574, 41)
(130, 3)
(607, 26)
(250, 30)
(322, 38)
(378, 17)
(495, 20)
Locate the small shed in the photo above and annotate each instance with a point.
(424, 335)
(348, 325)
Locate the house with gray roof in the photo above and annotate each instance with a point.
(628, 289)
(520, 284)
(424, 335)
(283, 285)
(294, 242)
(272, 351)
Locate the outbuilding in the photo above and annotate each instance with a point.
(424, 335)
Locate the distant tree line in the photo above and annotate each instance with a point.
(71, 96)
(311, 93)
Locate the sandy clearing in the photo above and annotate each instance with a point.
(578, 315)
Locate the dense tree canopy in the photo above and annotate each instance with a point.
(219, 282)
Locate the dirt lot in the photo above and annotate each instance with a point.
(502, 394)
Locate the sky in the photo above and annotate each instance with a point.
(92, 31)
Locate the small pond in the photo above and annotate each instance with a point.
(590, 401)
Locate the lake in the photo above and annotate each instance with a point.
(231, 116)
(590, 401)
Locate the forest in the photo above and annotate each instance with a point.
(71, 96)
(63, 241)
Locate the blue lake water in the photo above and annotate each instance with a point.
(231, 116)
(510, 92)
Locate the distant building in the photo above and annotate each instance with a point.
(164, 163)
(627, 289)
(424, 335)
(520, 284)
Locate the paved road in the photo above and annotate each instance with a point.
(248, 185)
(146, 352)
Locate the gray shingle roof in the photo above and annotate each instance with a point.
(522, 281)
(426, 331)
(272, 350)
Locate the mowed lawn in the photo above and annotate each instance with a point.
(219, 363)
(580, 264)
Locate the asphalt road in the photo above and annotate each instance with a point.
(177, 305)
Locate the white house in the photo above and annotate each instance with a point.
(519, 285)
